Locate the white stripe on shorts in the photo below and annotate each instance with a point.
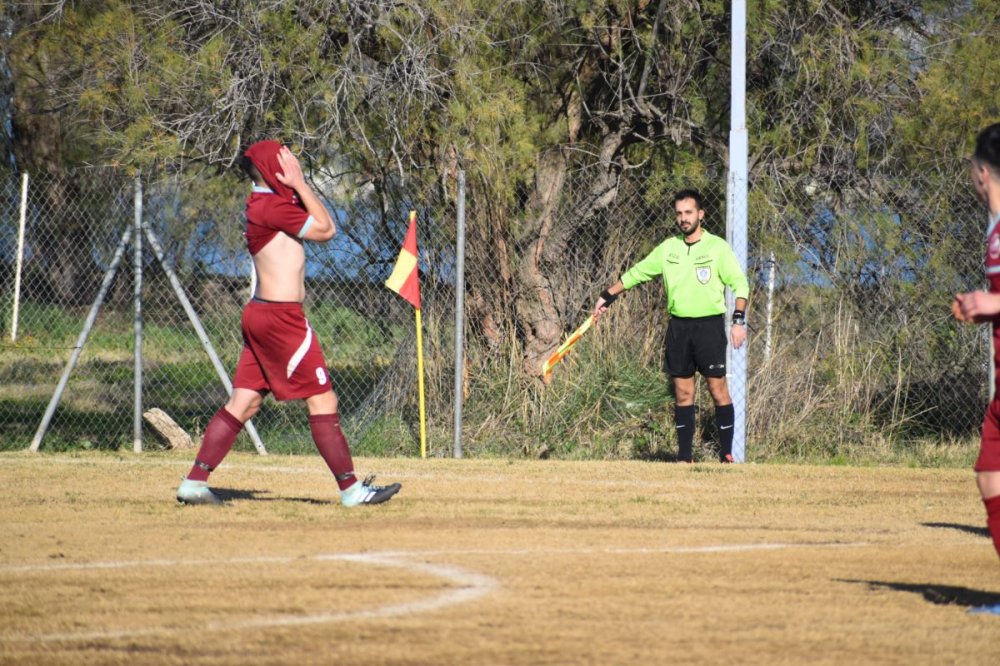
(293, 362)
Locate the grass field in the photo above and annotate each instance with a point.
(493, 562)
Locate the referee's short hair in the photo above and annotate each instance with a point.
(988, 147)
(690, 194)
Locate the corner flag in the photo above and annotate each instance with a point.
(405, 279)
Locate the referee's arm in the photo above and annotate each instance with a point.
(607, 297)
(733, 276)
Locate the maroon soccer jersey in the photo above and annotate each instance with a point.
(269, 214)
(993, 276)
(989, 447)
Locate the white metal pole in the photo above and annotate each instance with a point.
(459, 315)
(770, 306)
(737, 209)
(137, 268)
(253, 279)
(20, 256)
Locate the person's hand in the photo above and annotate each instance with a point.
(738, 335)
(975, 306)
(956, 309)
(291, 171)
(600, 307)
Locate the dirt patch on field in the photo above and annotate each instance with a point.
(492, 562)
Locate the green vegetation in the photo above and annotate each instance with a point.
(573, 123)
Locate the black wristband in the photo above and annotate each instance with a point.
(608, 297)
(739, 318)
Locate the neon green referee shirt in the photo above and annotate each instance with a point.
(694, 276)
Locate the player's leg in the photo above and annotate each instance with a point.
(220, 435)
(710, 347)
(324, 423)
(678, 363)
(988, 479)
(989, 488)
(725, 416)
(684, 413)
(988, 470)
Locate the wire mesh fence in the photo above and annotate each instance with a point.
(851, 340)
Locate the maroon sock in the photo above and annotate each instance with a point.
(332, 446)
(993, 519)
(220, 434)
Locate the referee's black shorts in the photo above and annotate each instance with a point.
(697, 343)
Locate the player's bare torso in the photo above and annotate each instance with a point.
(281, 270)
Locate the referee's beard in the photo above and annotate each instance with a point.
(693, 229)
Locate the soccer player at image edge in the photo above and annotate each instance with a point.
(984, 306)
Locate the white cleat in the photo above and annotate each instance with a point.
(196, 492)
(366, 493)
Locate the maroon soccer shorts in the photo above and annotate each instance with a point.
(989, 445)
(280, 353)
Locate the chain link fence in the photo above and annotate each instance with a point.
(851, 344)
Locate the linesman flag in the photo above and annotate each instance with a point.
(404, 279)
(405, 282)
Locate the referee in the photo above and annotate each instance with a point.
(696, 267)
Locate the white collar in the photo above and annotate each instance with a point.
(260, 189)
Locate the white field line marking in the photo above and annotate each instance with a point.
(319, 469)
(471, 586)
(401, 554)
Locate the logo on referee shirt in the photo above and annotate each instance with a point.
(994, 246)
(703, 273)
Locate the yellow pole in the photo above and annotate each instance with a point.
(420, 386)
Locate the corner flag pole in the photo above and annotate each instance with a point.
(420, 379)
(405, 281)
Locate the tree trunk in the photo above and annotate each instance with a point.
(542, 305)
(536, 312)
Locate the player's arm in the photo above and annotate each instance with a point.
(734, 277)
(321, 228)
(976, 306)
(607, 297)
(738, 331)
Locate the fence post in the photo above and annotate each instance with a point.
(770, 307)
(137, 267)
(20, 256)
(459, 314)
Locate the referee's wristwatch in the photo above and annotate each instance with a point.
(739, 318)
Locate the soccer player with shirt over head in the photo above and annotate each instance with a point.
(981, 307)
(281, 354)
(695, 267)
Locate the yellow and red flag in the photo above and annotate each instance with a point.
(564, 348)
(405, 282)
(405, 279)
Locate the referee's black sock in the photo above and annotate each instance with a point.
(684, 422)
(725, 417)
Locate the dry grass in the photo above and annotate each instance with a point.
(493, 562)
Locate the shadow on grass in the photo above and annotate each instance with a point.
(941, 595)
(968, 529)
(230, 494)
